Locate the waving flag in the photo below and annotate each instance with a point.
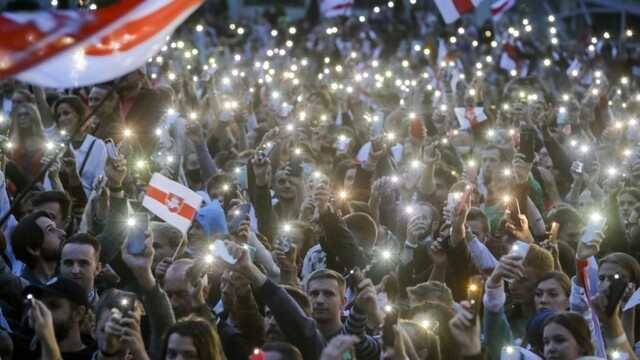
(334, 8)
(500, 7)
(451, 10)
(61, 48)
(171, 201)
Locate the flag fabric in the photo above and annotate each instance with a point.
(451, 10)
(63, 48)
(500, 7)
(511, 60)
(171, 201)
(469, 116)
(334, 8)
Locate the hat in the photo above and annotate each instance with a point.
(535, 326)
(62, 287)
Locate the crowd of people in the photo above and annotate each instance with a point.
(375, 187)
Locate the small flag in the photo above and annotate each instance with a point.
(172, 202)
(451, 10)
(500, 7)
(469, 116)
(334, 8)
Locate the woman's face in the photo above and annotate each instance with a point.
(181, 347)
(67, 117)
(550, 295)
(559, 344)
(25, 120)
(523, 290)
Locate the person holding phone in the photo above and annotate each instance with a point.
(90, 152)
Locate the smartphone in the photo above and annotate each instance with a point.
(452, 200)
(136, 237)
(377, 121)
(474, 294)
(127, 303)
(354, 278)
(617, 287)
(175, 166)
(595, 224)
(520, 249)
(102, 181)
(296, 166)
(241, 179)
(112, 151)
(390, 320)
(239, 215)
(285, 244)
(463, 199)
(528, 146)
(195, 272)
(580, 168)
(553, 233)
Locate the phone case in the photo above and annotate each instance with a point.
(520, 249)
(617, 287)
(242, 211)
(595, 224)
(136, 234)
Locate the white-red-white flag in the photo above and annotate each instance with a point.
(334, 8)
(172, 201)
(63, 48)
(469, 116)
(500, 7)
(451, 10)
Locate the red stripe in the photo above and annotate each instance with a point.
(463, 6)
(500, 8)
(137, 31)
(187, 211)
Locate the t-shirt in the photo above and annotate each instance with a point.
(84, 354)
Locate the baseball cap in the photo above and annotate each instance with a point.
(61, 287)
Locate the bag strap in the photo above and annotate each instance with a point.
(84, 161)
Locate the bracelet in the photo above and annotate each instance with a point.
(582, 263)
(617, 341)
(410, 245)
(115, 189)
(109, 355)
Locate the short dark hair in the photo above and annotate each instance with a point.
(28, 235)
(576, 325)
(84, 239)
(285, 349)
(205, 338)
(477, 214)
(300, 298)
(59, 197)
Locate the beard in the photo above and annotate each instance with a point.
(62, 329)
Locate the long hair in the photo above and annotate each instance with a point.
(36, 127)
(204, 337)
(577, 326)
(74, 103)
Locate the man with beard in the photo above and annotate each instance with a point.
(36, 242)
(142, 108)
(107, 120)
(68, 304)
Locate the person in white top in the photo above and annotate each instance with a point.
(90, 152)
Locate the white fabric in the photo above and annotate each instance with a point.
(162, 210)
(449, 11)
(333, 8)
(494, 298)
(481, 255)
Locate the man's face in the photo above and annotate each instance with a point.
(285, 189)
(271, 327)
(607, 271)
(162, 249)
(53, 237)
(227, 291)
(490, 161)
(570, 233)
(96, 95)
(523, 290)
(326, 299)
(176, 286)
(62, 315)
(477, 228)
(78, 262)
(54, 210)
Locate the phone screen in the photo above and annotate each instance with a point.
(137, 227)
(527, 146)
(239, 214)
(112, 151)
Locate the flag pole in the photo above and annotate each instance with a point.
(18, 199)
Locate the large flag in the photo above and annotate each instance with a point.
(334, 8)
(469, 116)
(500, 7)
(451, 10)
(62, 48)
(171, 201)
